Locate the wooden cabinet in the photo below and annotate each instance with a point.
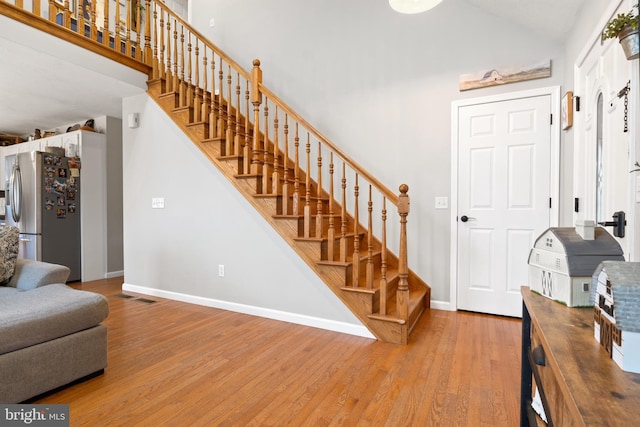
(579, 383)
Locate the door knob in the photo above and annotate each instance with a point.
(465, 218)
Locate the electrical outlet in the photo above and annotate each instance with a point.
(220, 270)
(157, 203)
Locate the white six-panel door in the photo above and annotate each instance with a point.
(503, 199)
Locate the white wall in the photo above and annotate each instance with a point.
(112, 128)
(380, 85)
(176, 251)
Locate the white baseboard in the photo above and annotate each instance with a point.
(112, 274)
(299, 319)
(442, 305)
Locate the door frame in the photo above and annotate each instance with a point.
(554, 180)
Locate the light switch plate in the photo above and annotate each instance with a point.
(442, 202)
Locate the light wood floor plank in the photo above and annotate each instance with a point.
(172, 363)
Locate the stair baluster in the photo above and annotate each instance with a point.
(168, 73)
(197, 96)
(331, 232)
(105, 26)
(246, 151)
(355, 260)
(147, 29)
(307, 185)
(384, 286)
(237, 138)
(220, 123)
(285, 174)
(176, 81)
(266, 164)
(344, 244)
(319, 209)
(93, 29)
(212, 96)
(370, 266)
(275, 178)
(128, 14)
(229, 126)
(296, 177)
(182, 86)
(189, 98)
(162, 48)
(204, 103)
(157, 29)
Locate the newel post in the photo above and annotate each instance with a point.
(402, 295)
(256, 100)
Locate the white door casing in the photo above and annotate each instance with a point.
(603, 70)
(505, 163)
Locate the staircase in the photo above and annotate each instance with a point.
(333, 213)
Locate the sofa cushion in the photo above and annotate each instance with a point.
(8, 251)
(42, 314)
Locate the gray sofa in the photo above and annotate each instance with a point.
(50, 333)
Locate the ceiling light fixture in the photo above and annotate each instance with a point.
(413, 6)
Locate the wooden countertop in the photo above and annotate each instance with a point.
(604, 394)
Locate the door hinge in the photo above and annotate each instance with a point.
(576, 205)
(550, 119)
(549, 202)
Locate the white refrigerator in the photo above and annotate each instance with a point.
(42, 199)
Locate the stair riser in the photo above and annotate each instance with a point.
(365, 303)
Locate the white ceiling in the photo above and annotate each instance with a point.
(551, 18)
(64, 85)
(61, 85)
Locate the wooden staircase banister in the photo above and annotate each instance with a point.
(219, 52)
(265, 148)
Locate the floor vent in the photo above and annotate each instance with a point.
(131, 297)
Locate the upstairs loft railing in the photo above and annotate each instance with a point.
(117, 29)
(333, 193)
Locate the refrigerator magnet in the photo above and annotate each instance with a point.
(71, 208)
(59, 186)
(61, 213)
(74, 163)
(48, 204)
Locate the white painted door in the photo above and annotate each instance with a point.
(604, 153)
(504, 165)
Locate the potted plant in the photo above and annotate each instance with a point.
(625, 27)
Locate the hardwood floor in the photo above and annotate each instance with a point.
(172, 363)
